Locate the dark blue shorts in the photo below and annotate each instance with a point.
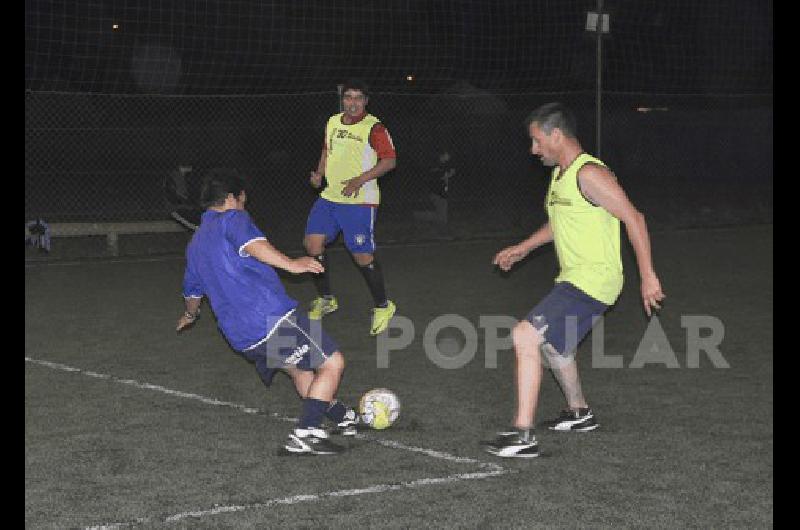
(565, 316)
(355, 221)
(297, 342)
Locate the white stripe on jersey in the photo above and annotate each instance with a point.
(389, 136)
(372, 227)
(242, 252)
(284, 317)
(370, 188)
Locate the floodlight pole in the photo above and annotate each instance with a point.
(599, 80)
(339, 91)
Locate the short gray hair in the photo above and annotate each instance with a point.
(553, 116)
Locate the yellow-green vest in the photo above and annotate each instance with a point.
(349, 155)
(586, 236)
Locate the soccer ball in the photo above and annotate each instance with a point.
(379, 408)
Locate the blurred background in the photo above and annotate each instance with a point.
(675, 96)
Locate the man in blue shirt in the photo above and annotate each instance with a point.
(230, 261)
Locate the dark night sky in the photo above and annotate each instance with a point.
(236, 46)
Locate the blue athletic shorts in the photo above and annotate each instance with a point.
(296, 341)
(565, 316)
(356, 221)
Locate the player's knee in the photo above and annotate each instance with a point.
(526, 338)
(363, 259)
(525, 333)
(334, 363)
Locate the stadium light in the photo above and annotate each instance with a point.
(591, 22)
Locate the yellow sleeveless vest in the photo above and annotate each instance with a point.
(586, 237)
(349, 155)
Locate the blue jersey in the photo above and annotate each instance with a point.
(246, 295)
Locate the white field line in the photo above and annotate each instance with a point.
(251, 410)
(491, 469)
(296, 499)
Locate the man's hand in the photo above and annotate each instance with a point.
(305, 264)
(651, 294)
(351, 187)
(316, 179)
(187, 319)
(507, 257)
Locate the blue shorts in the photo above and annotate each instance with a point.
(297, 342)
(565, 316)
(356, 221)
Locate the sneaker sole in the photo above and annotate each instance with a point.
(345, 432)
(382, 328)
(575, 429)
(322, 315)
(375, 331)
(497, 453)
(296, 451)
(306, 450)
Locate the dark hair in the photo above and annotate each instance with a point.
(218, 183)
(554, 116)
(355, 84)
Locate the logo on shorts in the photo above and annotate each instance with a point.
(360, 239)
(540, 323)
(297, 354)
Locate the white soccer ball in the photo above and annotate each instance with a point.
(379, 408)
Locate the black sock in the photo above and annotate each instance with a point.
(336, 411)
(322, 280)
(313, 410)
(374, 276)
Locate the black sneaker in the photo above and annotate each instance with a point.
(349, 424)
(580, 420)
(312, 441)
(514, 443)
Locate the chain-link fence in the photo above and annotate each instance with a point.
(119, 96)
(685, 161)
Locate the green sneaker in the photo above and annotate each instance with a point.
(321, 306)
(381, 317)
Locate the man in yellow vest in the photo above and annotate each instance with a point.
(584, 205)
(356, 151)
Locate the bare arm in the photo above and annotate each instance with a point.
(263, 251)
(601, 187)
(383, 166)
(507, 257)
(191, 314)
(316, 176)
